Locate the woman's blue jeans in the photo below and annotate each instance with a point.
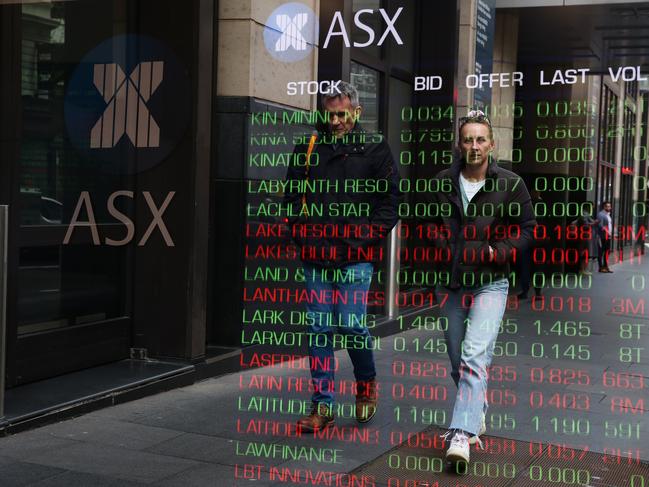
(348, 319)
(474, 316)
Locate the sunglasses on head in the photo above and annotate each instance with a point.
(474, 116)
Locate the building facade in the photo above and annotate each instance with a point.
(135, 135)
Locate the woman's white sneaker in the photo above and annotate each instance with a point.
(459, 448)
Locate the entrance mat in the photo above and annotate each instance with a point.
(419, 462)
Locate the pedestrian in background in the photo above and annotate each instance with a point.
(605, 236)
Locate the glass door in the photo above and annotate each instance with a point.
(68, 299)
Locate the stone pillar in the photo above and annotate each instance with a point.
(465, 55)
(502, 98)
(246, 68)
(617, 182)
(250, 83)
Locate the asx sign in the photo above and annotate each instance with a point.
(84, 204)
(128, 104)
(126, 99)
(337, 28)
(291, 31)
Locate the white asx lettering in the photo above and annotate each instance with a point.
(338, 23)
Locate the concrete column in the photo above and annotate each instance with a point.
(502, 98)
(465, 55)
(246, 68)
(644, 173)
(637, 142)
(594, 100)
(617, 183)
(504, 61)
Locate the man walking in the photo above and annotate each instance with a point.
(347, 204)
(605, 234)
(488, 220)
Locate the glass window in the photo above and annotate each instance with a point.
(80, 281)
(374, 22)
(402, 56)
(400, 96)
(367, 82)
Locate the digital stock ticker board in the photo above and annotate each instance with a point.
(458, 239)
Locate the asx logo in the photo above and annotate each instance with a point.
(292, 30)
(128, 104)
(126, 111)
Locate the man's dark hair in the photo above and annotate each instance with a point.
(345, 89)
(604, 203)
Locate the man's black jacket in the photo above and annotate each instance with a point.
(500, 215)
(351, 198)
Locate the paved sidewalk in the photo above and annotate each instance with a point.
(232, 430)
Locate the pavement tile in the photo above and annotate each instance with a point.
(347, 454)
(106, 431)
(19, 474)
(112, 462)
(189, 413)
(203, 416)
(29, 443)
(81, 479)
(203, 448)
(217, 475)
(158, 405)
(641, 369)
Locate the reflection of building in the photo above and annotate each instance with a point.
(78, 306)
(586, 140)
(81, 304)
